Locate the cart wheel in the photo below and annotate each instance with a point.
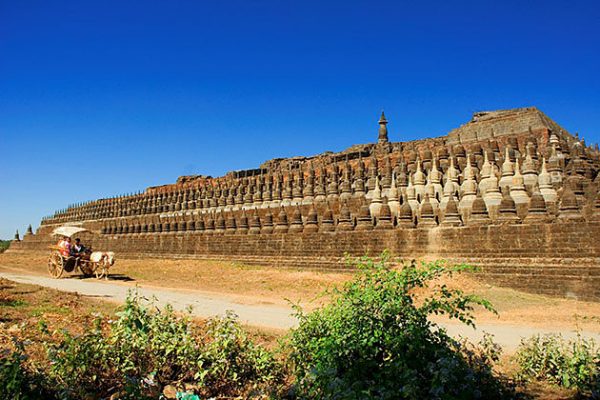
(55, 265)
(85, 268)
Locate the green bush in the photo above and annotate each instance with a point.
(16, 382)
(13, 378)
(230, 362)
(4, 244)
(376, 340)
(141, 352)
(572, 364)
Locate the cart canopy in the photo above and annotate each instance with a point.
(68, 230)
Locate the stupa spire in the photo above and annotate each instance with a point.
(383, 133)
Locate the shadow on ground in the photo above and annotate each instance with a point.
(111, 277)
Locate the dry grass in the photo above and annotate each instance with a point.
(246, 284)
(263, 285)
(24, 307)
(519, 308)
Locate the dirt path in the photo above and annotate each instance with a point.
(265, 315)
(203, 305)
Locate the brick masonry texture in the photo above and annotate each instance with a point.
(509, 192)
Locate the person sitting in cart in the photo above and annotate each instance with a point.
(79, 250)
(64, 246)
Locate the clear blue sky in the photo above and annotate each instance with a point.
(103, 97)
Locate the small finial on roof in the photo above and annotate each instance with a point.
(382, 119)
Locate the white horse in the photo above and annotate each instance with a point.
(103, 261)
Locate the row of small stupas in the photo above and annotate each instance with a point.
(501, 167)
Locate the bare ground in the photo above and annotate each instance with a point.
(252, 285)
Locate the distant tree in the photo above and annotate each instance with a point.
(4, 245)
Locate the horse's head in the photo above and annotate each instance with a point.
(110, 258)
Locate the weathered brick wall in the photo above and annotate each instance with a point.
(494, 124)
(544, 174)
(560, 259)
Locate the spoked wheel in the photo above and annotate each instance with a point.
(86, 268)
(55, 265)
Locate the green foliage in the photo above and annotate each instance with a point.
(13, 378)
(4, 244)
(15, 381)
(13, 303)
(141, 352)
(79, 364)
(571, 364)
(376, 340)
(230, 360)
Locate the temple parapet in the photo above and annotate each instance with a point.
(522, 153)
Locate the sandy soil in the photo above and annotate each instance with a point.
(251, 285)
(246, 284)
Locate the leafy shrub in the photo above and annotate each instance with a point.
(4, 244)
(376, 340)
(141, 352)
(230, 360)
(15, 381)
(572, 364)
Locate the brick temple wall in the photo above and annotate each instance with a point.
(520, 168)
(560, 259)
(496, 124)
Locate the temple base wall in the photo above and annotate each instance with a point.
(561, 259)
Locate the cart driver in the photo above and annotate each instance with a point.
(79, 250)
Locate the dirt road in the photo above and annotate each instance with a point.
(266, 315)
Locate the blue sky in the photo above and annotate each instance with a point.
(105, 97)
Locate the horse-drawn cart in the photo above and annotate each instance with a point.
(95, 263)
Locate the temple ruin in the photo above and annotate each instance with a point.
(510, 191)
